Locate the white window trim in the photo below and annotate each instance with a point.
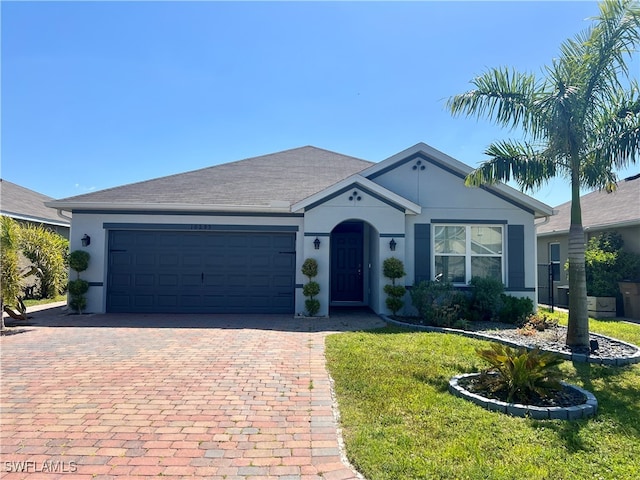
(468, 251)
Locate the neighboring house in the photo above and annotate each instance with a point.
(27, 206)
(232, 238)
(618, 211)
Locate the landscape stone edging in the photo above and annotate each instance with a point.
(585, 410)
(574, 357)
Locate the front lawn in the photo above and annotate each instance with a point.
(400, 422)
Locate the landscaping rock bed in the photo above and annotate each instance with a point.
(610, 350)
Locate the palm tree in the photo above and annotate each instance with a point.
(580, 120)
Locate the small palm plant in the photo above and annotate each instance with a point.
(520, 374)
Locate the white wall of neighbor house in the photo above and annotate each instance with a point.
(92, 224)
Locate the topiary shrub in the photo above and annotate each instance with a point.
(78, 261)
(393, 268)
(311, 288)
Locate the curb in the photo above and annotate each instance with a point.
(584, 410)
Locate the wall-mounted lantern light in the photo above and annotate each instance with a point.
(316, 243)
(86, 240)
(392, 245)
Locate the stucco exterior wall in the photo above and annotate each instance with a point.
(92, 224)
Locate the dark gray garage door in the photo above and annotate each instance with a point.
(201, 272)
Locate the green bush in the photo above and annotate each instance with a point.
(439, 303)
(393, 268)
(312, 305)
(310, 268)
(10, 287)
(47, 252)
(520, 374)
(311, 288)
(606, 265)
(78, 287)
(515, 310)
(486, 300)
(79, 260)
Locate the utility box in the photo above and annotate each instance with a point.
(631, 299)
(601, 307)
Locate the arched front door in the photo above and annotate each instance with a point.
(347, 263)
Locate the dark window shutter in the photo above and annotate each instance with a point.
(422, 253)
(515, 257)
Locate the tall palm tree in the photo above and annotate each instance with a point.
(581, 120)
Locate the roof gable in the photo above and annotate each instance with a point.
(424, 152)
(24, 204)
(600, 209)
(357, 181)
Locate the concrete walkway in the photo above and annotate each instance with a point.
(218, 397)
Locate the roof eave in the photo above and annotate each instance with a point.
(275, 206)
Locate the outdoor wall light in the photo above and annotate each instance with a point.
(316, 243)
(392, 245)
(86, 240)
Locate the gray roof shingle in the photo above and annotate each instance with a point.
(601, 209)
(288, 176)
(20, 202)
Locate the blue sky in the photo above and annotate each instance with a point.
(101, 94)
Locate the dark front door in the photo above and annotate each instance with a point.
(347, 263)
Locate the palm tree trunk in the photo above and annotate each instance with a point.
(578, 327)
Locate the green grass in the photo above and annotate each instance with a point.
(44, 301)
(399, 421)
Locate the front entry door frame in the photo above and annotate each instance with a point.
(349, 265)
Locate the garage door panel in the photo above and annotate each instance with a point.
(200, 272)
(144, 280)
(168, 280)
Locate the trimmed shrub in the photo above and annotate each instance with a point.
(78, 261)
(486, 298)
(311, 289)
(393, 268)
(515, 310)
(439, 304)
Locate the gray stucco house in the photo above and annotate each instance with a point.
(232, 238)
(618, 211)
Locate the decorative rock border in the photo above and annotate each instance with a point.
(585, 410)
(574, 357)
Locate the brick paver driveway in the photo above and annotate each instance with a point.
(217, 397)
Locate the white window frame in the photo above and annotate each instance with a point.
(468, 255)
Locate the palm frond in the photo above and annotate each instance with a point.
(511, 160)
(504, 96)
(616, 140)
(614, 37)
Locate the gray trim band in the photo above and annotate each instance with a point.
(200, 227)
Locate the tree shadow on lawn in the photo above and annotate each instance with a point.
(618, 406)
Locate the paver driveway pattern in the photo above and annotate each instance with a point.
(176, 396)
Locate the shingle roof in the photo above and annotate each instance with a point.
(601, 209)
(25, 204)
(287, 176)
